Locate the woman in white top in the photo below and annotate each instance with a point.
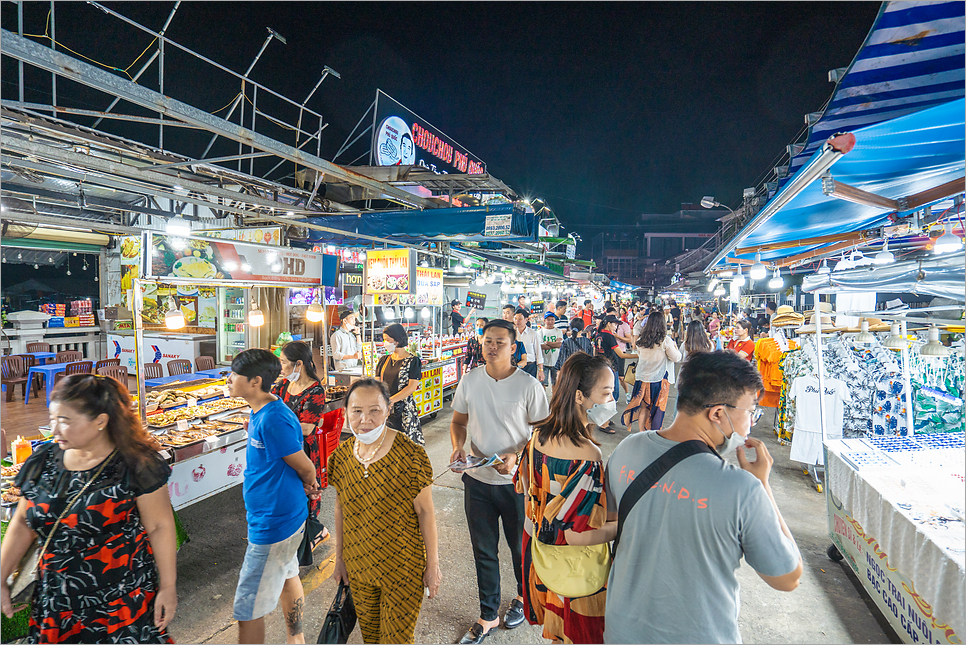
(656, 353)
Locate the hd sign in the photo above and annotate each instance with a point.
(401, 138)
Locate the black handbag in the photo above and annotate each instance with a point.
(341, 619)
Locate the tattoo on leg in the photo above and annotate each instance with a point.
(293, 619)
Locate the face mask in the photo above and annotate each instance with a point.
(390, 347)
(731, 443)
(601, 414)
(370, 437)
(294, 376)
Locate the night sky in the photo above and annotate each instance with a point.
(606, 110)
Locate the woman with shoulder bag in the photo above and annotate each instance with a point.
(99, 487)
(655, 349)
(561, 474)
(301, 391)
(402, 373)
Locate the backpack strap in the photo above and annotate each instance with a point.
(647, 479)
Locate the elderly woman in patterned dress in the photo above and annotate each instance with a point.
(401, 372)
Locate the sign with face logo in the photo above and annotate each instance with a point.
(402, 138)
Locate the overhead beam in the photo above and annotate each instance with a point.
(78, 71)
(834, 188)
(813, 255)
(213, 160)
(40, 107)
(930, 195)
(102, 227)
(811, 241)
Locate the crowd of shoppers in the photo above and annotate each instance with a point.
(549, 487)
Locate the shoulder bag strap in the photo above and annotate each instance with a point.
(650, 476)
(71, 503)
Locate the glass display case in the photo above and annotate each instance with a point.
(233, 322)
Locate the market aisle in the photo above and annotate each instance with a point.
(828, 607)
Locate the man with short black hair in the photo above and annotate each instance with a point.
(562, 323)
(346, 343)
(530, 338)
(587, 313)
(494, 406)
(278, 476)
(686, 535)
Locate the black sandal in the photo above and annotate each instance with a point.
(607, 430)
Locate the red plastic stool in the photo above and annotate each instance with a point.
(330, 429)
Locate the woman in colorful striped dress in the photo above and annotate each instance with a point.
(568, 505)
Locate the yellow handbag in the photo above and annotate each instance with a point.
(568, 571)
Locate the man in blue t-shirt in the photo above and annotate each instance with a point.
(278, 476)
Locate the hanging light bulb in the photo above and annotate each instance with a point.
(739, 280)
(776, 281)
(947, 242)
(720, 291)
(409, 313)
(174, 318)
(362, 256)
(895, 341)
(425, 313)
(389, 313)
(758, 270)
(255, 316)
(712, 285)
(314, 313)
(85, 265)
(20, 256)
(823, 269)
(480, 281)
(864, 336)
(885, 256)
(458, 269)
(36, 266)
(934, 347)
(490, 278)
(50, 259)
(177, 226)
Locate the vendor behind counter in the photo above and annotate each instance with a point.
(347, 343)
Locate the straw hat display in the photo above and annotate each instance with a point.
(826, 325)
(785, 316)
(875, 325)
(824, 307)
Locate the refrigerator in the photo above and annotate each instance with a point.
(232, 323)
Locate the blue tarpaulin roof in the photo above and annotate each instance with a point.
(439, 224)
(912, 59)
(894, 159)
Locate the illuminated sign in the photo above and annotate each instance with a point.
(401, 138)
(390, 271)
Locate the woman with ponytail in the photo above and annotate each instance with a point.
(301, 390)
(96, 500)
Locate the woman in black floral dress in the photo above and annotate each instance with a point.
(301, 390)
(96, 499)
(402, 372)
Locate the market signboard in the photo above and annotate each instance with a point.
(390, 271)
(498, 225)
(264, 235)
(200, 260)
(476, 300)
(429, 395)
(401, 138)
(429, 286)
(536, 306)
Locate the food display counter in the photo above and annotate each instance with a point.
(896, 516)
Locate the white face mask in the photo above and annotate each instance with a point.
(294, 376)
(731, 443)
(601, 414)
(390, 347)
(370, 437)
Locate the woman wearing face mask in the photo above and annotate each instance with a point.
(474, 347)
(385, 526)
(300, 389)
(402, 372)
(656, 353)
(566, 503)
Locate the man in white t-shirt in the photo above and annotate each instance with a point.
(530, 338)
(495, 406)
(551, 338)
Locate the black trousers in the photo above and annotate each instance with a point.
(531, 369)
(485, 506)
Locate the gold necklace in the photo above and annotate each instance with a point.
(365, 462)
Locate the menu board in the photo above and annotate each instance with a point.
(476, 300)
(429, 395)
(429, 286)
(536, 306)
(391, 271)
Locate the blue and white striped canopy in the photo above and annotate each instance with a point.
(912, 59)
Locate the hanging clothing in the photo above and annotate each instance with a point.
(648, 404)
(807, 440)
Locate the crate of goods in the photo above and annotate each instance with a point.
(55, 321)
(86, 320)
(71, 321)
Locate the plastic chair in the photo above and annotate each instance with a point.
(106, 362)
(153, 370)
(38, 347)
(13, 371)
(179, 366)
(69, 356)
(203, 363)
(81, 367)
(118, 372)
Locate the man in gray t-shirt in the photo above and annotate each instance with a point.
(673, 579)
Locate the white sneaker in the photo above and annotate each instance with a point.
(628, 397)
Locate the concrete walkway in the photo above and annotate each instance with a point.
(828, 607)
